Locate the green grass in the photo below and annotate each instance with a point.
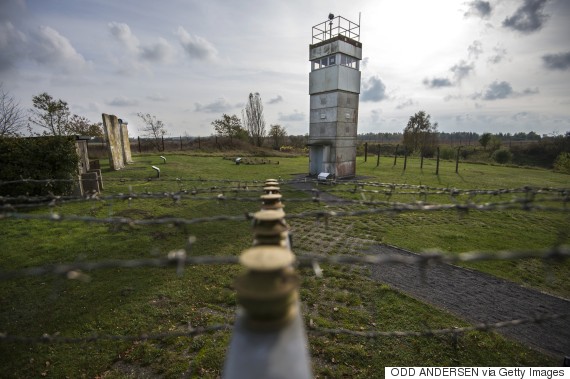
(134, 301)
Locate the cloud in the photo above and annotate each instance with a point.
(364, 62)
(527, 18)
(500, 54)
(461, 70)
(48, 47)
(275, 100)
(295, 116)
(479, 8)
(475, 49)
(160, 51)
(195, 46)
(405, 104)
(437, 82)
(373, 90)
(219, 106)
(11, 45)
(157, 97)
(502, 90)
(123, 34)
(122, 101)
(560, 61)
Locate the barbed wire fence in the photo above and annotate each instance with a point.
(25, 207)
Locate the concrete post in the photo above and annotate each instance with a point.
(269, 338)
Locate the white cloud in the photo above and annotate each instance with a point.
(123, 34)
(291, 117)
(275, 100)
(11, 45)
(221, 105)
(122, 101)
(195, 46)
(373, 90)
(48, 47)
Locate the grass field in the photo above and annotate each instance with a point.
(153, 300)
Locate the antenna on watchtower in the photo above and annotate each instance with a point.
(331, 17)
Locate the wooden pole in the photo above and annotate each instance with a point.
(405, 157)
(396, 154)
(365, 151)
(457, 160)
(139, 138)
(437, 164)
(378, 156)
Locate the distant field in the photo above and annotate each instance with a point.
(154, 300)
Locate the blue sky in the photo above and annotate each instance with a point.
(482, 66)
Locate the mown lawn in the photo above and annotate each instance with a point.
(154, 300)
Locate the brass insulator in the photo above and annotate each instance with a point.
(268, 290)
(271, 182)
(269, 222)
(281, 239)
(272, 201)
(271, 189)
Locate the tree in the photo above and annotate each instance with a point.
(277, 134)
(253, 119)
(485, 139)
(228, 126)
(50, 114)
(420, 135)
(154, 129)
(80, 125)
(11, 115)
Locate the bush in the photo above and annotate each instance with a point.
(38, 158)
(502, 156)
(447, 153)
(562, 163)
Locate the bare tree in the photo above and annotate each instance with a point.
(50, 114)
(277, 134)
(253, 119)
(12, 118)
(153, 129)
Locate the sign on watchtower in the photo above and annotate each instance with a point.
(334, 86)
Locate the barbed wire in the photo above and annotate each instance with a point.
(180, 259)
(357, 184)
(312, 328)
(56, 338)
(515, 204)
(445, 331)
(14, 203)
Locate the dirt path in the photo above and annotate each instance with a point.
(471, 295)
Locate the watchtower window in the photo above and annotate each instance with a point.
(324, 62)
(349, 61)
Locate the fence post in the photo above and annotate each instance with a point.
(437, 164)
(457, 160)
(199, 145)
(268, 338)
(405, 157)
(162, 143)
(365, 151)
(180, 143)
(396, 154)
(378, 156)
(421, 160)
(139, 138)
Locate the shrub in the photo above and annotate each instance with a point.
(38, 158)
(562, 163)
(502, 156)
(447, 153)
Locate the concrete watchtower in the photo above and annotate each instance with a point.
(334, 87)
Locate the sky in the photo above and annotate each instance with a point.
(474, 66)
